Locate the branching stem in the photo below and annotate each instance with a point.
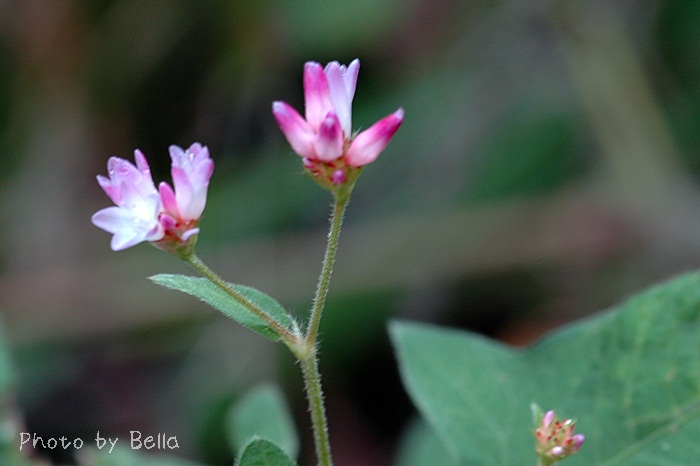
(288, 337)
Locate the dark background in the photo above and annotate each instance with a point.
(547, 168)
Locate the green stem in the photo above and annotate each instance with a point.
(325, 278)
(314, 393)
(305, 349)
(288, 337)
(308, 352)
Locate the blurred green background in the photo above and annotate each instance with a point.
(547, 168)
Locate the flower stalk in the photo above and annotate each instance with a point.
(308, 357)
(289, 338)
(326, 270)
(314, 394)
(334, 157)
(168, 216)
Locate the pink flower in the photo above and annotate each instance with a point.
(555, 439)
(135, 218)
(324, 137)
(191, 171)
(165, 217)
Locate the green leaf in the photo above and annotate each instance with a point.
(218, 299)
(631, 378)
(10, 424)
(261, 452)
(263, 413)
(6, 372)
(122, 455)
(421, 447)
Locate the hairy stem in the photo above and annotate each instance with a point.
(314, 393)
(308, 352)
(327, 269)
(288, 337)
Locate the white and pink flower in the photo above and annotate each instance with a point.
(191, 170)
(166, 217)
(324, 137)
(135, 216)
(182, 207)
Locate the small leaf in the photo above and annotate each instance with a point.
(218, 299)
(630, 378)
(261, 452)
(263, 412)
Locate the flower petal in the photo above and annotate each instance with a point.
(142, 165)
(128, 229)
(191, 171)
(330, 140)
(111, 219)
(317, 99)
(123, 173)
(342, 81)
(109, 188)
(135, 216)
(367, 145)
(297, 131)
(167, 197)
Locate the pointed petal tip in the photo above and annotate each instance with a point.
(367, 145)
(176, 151)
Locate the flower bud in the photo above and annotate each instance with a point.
(555, 439)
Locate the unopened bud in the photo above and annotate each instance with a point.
(338, 177)
(555, 439)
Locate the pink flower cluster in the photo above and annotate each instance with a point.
(324, 137)
(166, 217)
(556, 439)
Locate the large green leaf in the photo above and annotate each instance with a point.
(123, 455)
(261, 452)
(631, 378)
(220, 300)
(263, 413)
(9, 432)
(6, 373)
(421, 447)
